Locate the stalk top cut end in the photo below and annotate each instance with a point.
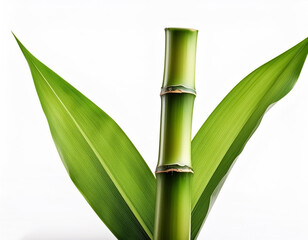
(181, 29)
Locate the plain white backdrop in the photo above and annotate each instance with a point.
(113, 52)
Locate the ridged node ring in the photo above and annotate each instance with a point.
(173, 168)
(177, 89)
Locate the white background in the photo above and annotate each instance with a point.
(113, 52)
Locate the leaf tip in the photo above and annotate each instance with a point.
(22, 47)
(17, 40)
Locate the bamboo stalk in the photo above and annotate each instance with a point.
(174, 170)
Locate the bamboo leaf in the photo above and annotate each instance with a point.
(224, 134)
(98, 156)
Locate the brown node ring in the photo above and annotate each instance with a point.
(173, 168)
(177, 89)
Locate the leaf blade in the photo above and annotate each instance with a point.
(224, 134)
(100, 159)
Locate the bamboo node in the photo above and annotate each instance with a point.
(173, 168)
(177, 89)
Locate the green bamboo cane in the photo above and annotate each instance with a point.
(174, 170)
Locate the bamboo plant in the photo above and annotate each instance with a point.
(111, 174)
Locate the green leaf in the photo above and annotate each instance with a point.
(98, 156)
(224, 134)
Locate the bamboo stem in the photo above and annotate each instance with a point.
(174, 170)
